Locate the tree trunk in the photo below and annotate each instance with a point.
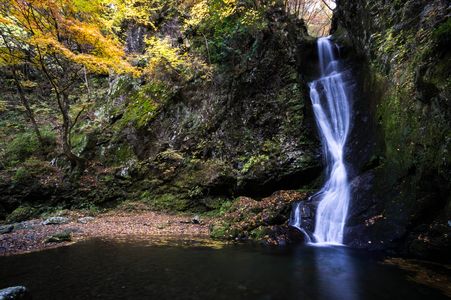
(78, 164)
(28, 111)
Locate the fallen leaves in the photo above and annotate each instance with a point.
(112, 225)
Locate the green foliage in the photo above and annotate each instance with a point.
(225, 207)
(217, 24)
(138, 11)
(120, 155)
(222, 231)
(88, 208)
(259, 233)
(78, 142)
(11, 123)
(164, 62)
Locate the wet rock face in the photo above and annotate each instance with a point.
(369, 226)
(307, 209)
(136, 35)
(400, 179)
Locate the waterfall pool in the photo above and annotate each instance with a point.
(98, 269)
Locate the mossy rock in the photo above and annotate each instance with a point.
(31, 169)
(247, 218)
(22, 213)
(25, 145)
(60, 237)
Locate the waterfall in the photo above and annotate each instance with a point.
(295, 220)
(329, 96)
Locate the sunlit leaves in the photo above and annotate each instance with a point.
(68, 29)
(138, 11)
(163, 59)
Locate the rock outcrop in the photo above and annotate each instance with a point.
(265, 220)
(248, 131)
(401, 192)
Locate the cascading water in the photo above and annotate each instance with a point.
(329, 96)
(296, 221)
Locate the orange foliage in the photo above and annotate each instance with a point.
(70, 29)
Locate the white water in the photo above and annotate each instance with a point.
(295, 221)
(329, 96)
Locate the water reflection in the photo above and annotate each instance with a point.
(321, 272)
(336, 275)
(109, 270)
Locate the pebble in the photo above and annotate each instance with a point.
(195, 220)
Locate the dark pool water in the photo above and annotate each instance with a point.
(136, 270)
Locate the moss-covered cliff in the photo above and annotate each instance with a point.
(248, 131)
(402, 198)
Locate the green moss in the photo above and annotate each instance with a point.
(144, 104)
(167, 202)
(253, 162)
(216, 206)
(118, 155)
(22, 213)
(26, 144)
(171, 155)
(122, 85)
(32, 168)
(79, 142)
(22, 174)
(225, 207)
(415, 135)
(442, 34)
(89, 208)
